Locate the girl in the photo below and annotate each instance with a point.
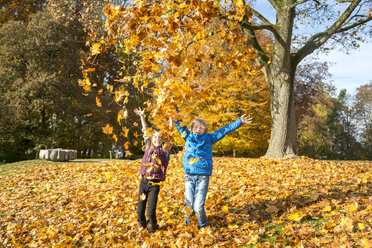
(197, 162)
(153, 170)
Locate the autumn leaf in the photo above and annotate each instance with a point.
(193, 160)
(143, 197)
(107, 129)
(98, 102)
(295, 216)
(115, 137)
(108, 177)
(96, 48)
(243, 191)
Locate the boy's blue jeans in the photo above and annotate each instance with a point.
(196, 188)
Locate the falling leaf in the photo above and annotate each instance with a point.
(98, 102)
(95, 48)
(107, 129)
(193, 160)
(143, 197)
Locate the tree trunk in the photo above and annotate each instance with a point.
(280, 74)
(283, 128)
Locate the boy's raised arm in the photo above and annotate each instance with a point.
(220, 133)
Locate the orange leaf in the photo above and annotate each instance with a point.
(107, 129)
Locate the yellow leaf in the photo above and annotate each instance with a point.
(166, 146)
(225, 208)
(115, 137)
(294, 216)
(108, 176)
(98, 102)
(126, 145)
(347, 222)
(327, 209)
(107, 129)
(352, 207)
(95, 48)
(143, 197)
(125, 132)
(183, 135)
(361, 226)
(193, 160)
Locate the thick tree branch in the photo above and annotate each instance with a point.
(273, 3)
(262, 58)
(261, 17)
(319, 39)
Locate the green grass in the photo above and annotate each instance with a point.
(12, 168)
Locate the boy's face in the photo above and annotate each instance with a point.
(198, 128)
(156, 139)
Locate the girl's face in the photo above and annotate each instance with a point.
(198, 128)
(156, 139)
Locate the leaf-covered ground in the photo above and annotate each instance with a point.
(251, 203)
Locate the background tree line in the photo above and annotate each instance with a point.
(43, 44)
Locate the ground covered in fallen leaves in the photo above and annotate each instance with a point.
(250, 203)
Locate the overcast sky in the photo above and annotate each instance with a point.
(349, 71)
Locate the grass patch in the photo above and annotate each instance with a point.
(13, 168)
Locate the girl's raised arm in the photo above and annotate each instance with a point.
(141, 113)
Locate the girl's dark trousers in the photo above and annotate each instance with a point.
(151, 193)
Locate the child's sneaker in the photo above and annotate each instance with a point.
(142, 225)
(152, 228)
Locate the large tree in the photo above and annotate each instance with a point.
(163, 32)
(280, 72)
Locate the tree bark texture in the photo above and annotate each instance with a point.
(280, 75)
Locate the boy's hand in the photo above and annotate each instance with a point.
(140, 112)
(246, 119)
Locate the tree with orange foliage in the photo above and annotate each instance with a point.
(172, 40)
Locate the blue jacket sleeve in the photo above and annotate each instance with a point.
(220, 133)
(182, 130)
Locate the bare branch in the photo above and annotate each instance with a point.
(319, 39)
(360, 22)
(261, 17)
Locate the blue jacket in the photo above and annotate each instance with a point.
(197, 158)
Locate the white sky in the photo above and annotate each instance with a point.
(348, 71)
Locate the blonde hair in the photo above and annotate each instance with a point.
(202, 122)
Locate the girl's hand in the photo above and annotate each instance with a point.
(140, 112)
(246, 119)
